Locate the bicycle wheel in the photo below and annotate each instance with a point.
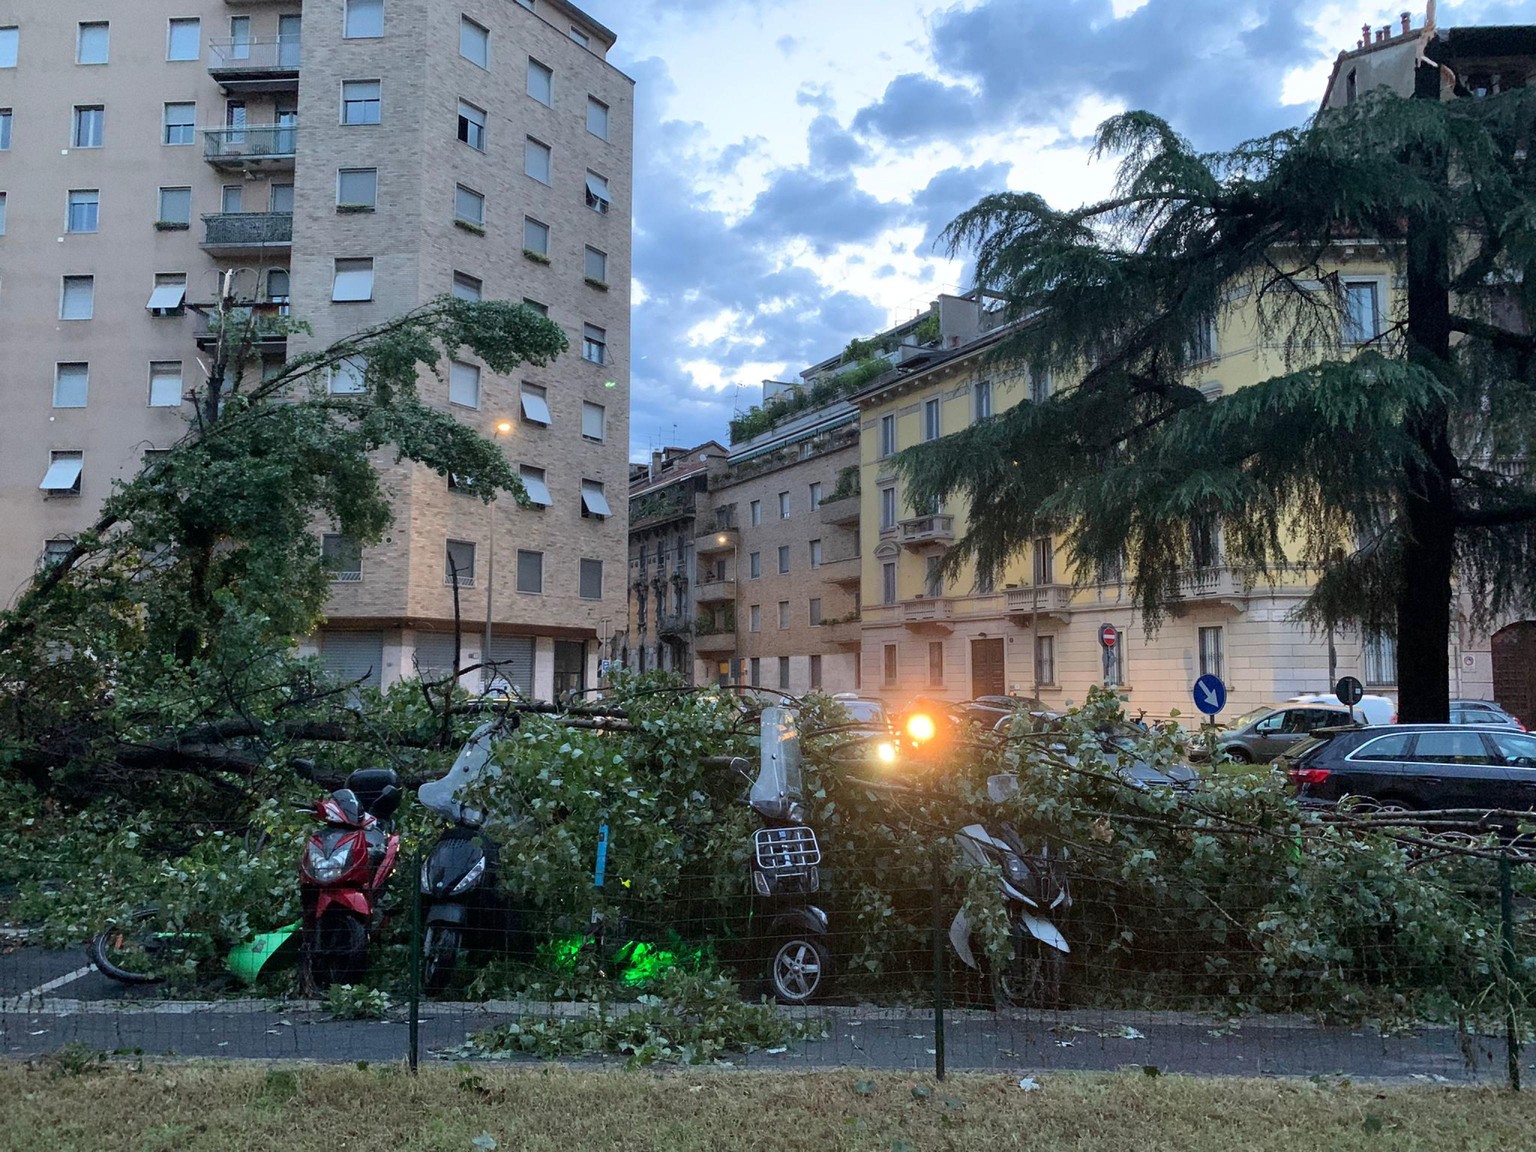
(136, 950)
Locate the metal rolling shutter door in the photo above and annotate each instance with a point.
(513, 657)
(353, 656)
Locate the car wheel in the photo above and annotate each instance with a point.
(1238, 754)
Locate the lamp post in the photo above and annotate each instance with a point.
(490, 574)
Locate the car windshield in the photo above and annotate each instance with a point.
(864, 711)
(1249, 717)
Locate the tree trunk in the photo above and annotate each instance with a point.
(1429, 550)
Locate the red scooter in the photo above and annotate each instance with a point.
(342, 876)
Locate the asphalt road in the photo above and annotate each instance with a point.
(49, 999)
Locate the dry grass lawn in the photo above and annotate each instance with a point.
(233, 1108)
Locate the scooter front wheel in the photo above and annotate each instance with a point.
(1032, 977)
(439, 956)
(136, 950)
(798, 969)
(336, 953)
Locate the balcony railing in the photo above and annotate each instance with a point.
(1043, 599)
(673, 624)
(724, 641)
(714, 592)
(267, 319)
(255, 65)
(1212, 584)
(843, 634)
(841, 511)
(844, 571)
(248, 231)
(922, 531)
(266, 146)
(719, 540)
(927, 612)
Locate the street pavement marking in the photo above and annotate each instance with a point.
(34, 994)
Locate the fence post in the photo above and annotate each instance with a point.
(1507, 935)
(414, 875)
(938, 973)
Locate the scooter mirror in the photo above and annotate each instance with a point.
(742, 766)
(1001, 788)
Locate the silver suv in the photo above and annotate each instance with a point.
(1261, 735)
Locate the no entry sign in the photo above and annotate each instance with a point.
(1109, 635)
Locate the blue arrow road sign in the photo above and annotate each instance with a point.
(1210, 694)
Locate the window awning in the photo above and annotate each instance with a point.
(535, 408)
(63, 474)
(538, 490)
(167, 296)
(597, 187)
(593, 500)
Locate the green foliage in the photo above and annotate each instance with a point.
(823, 390)
(356, 1002)
(847, 483)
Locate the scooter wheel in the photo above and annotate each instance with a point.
(798, 969)
(339, 952)
(439, 957)
(130, 952)
(1032, 977)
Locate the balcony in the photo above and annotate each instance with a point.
(265, 148)
(255, 66)
(844, 572)
(720, 540)
(843, 634)
(1223, 586)
(674, 624)
(925, 533)
(253, 233)
(1024, 604)
(843, 511)
(715, 592)
(928, 614)
(266, 334)
(720, 643)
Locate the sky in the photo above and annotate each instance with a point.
(796, 160)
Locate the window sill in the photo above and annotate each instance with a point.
(353, 209)
(536, 257)
(594, 282)
(363, 300)
(592, 439)
(470, 226)
(171, 226)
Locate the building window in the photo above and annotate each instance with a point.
(1210, 653)
(535, 403)
(982, 394)
(2, 213)
(71, 383)
(594, 344)
(1362, 311)
(593, 502)
(597, 117)
(594, 421)
(5, 129)
(464, 384)
(535, 236)
(887, 436)
(815, 674)
(783, 615)
(755, 565)
(63, 475)
(232, 199)
(531, 303)
(536, 484)
(180, 123)
(169, 295)
(357, 188)
(85, 211)
(596, 265)
(1351, 87)
(91, 43)
(783, 558)
(530, 572)
(1114, 664)
(936, 663)
(9, 43)
(1202, 341)
(361, 102)
(466, 287)
(755, 666)
(347, 377)
(1204, 546)
(239, 38)
(89, 127)
(1045, 566)
(184, 40)
(887, 508)
(783, 673)
(783, 505)
(536, 162)
(541, 83)
(756, 510)
(815, 553)
(469, 206)
(1045, 660)
(598, 196)
(459, 564)
(815, 496)
(888, 583)
(175, 206)
(363, 20)
(1380, 659)
(55, 550)
(474, 42)
(933, 577)
(77, 298)
(932, 421)
(342, 558)
(1040, 385)
(755, 618)
(813, 611)
(353, 281)
(472, 126)
(890, 664)
(165, 389)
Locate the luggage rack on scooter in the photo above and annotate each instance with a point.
(786, 851)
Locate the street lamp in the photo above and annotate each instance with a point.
(503, 426)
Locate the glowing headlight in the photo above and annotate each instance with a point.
(1014, 869)
(471, 878)
(920, 727)
(326, 868)
(885, 752)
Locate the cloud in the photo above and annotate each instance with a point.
(833, 148)
(825, 211)
(918, 108)
(952, 191)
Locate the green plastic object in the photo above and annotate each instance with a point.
(247, 960)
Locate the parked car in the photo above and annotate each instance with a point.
(864, 711)
(1259, 736)
(1418, 766)
(1483, 712)
(1122, 745)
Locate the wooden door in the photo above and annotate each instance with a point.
(987, 673)
(1514, 670)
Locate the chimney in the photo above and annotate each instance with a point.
(655, 464)
(1381, 34)
(1407, 19)
(1365, 35)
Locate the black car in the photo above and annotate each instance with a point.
(1417, 766)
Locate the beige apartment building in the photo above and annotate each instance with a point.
(342, 161)
(777, 588)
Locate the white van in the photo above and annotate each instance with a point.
(1370, 710)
